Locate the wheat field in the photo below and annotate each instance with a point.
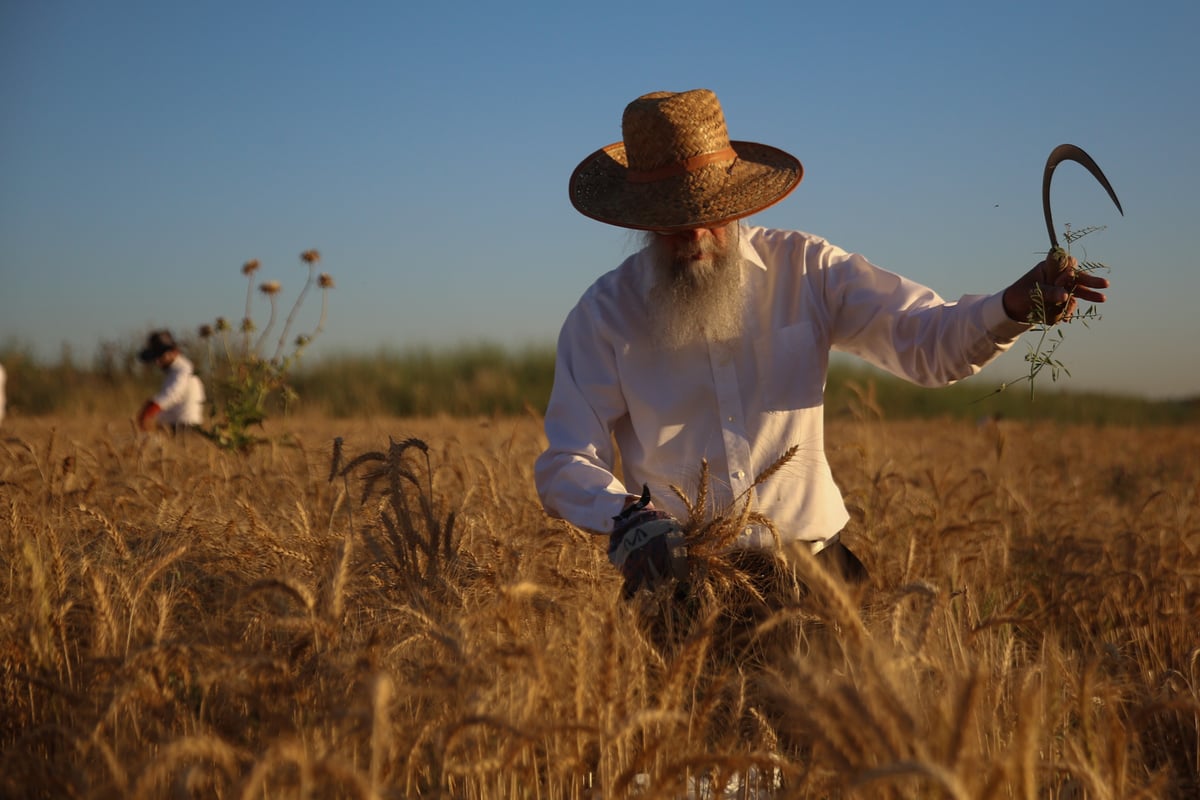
(380, 609)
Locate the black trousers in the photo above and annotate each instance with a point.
(838, 559)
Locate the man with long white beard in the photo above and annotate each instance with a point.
(711, 346)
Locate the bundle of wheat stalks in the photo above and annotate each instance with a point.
(381, 609)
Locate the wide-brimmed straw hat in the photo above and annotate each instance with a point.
(157, 343)
(676, 168)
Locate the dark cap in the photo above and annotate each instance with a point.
(157, 343)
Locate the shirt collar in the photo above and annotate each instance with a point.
(749, 254)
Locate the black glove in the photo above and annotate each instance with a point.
(647, 546)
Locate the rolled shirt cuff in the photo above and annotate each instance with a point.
(997, 322)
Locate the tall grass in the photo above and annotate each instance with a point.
(485, 379)
(380, 609)
(467, 381)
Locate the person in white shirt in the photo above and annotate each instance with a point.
(712, 344)
(179, 403)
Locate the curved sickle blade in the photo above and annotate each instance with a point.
(1069, 152)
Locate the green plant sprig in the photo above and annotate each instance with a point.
(1040, 355)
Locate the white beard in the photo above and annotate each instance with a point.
(695, 301)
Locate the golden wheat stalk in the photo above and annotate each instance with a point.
(203, 749)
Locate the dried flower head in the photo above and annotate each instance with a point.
(325, 281)
(247, 325)
(222, 324)
(302, 340)
(269, 287)
(250, 267)
(310, 256)
(206, 331)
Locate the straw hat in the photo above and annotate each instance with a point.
(677, 169)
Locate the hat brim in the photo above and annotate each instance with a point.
(713, 195)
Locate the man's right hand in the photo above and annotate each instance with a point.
(647, 546)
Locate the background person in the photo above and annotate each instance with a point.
(712, 344)
(180, 399)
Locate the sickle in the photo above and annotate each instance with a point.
(1069, 152)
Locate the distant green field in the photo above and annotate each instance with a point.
(489, 380)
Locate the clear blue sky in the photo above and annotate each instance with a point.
(148, 149)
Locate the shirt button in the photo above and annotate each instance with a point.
(739, 474)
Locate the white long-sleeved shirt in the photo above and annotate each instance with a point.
(181, 394)
(741, 405)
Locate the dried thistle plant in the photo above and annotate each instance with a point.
(245, 381)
